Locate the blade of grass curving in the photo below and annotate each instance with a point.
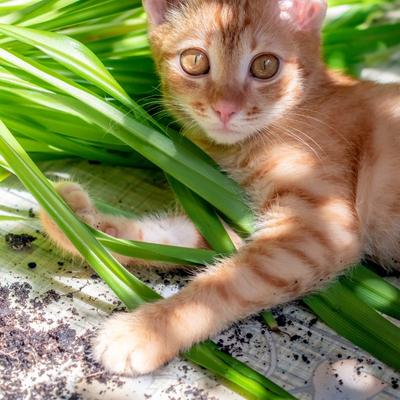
(73, 54)
(130, 45)
(251, 374)
(18, 16)
(270, 321)
(4, 174)
(13, 5)
(133, 21)
(351, 332)
(204, 217)
(83, 150)
(156, 252)
(342, 298)
(74, 14)
(373, 290)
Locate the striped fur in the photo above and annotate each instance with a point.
(317, 152)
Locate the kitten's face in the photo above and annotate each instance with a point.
(233, 68)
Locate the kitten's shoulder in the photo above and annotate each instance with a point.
(383, 97)
(373, 95)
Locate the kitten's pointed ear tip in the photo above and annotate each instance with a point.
(157, 9)
(305, 15)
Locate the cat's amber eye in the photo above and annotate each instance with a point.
(195, 62)
(265, 66)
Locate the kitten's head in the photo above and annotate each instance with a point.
(234, 67)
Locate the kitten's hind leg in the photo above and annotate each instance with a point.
(176, 230)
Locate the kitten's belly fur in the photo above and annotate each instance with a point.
(363, 157)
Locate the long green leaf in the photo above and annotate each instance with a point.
(72, 53)
(374, 290)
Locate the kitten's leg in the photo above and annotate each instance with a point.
(299, 247)
(168, 229)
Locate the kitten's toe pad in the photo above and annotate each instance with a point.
(133, 344)
(75, 196)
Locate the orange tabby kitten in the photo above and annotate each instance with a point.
(318, 154)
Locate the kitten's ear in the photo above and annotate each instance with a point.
(157, 9)
(305, 15)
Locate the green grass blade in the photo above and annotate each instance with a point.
(73, 54)
(84, 150)
(374, 290)
(156, 252)
(4, 174)
(271, 322)
(255, 376)
(204, 217)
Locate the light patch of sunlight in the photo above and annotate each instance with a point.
(55, 148)
(390, 295)
(347, 380)
(62, 176)
(17, 199)
(336, 12)
(382, 75)
(15, 3)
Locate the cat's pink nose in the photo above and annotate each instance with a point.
(225, 110)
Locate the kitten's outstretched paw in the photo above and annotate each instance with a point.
(136, 343)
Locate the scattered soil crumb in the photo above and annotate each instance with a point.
(19, 242)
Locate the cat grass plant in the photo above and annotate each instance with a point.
(77, 81)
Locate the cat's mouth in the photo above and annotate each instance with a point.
(225, 130)
(226, 135)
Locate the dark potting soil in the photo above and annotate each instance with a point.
(26, 349)
(19, 242)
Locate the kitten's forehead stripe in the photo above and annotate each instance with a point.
(231, 23)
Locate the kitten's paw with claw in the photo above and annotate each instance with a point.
(135, 343)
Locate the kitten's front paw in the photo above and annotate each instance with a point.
(135, 343)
